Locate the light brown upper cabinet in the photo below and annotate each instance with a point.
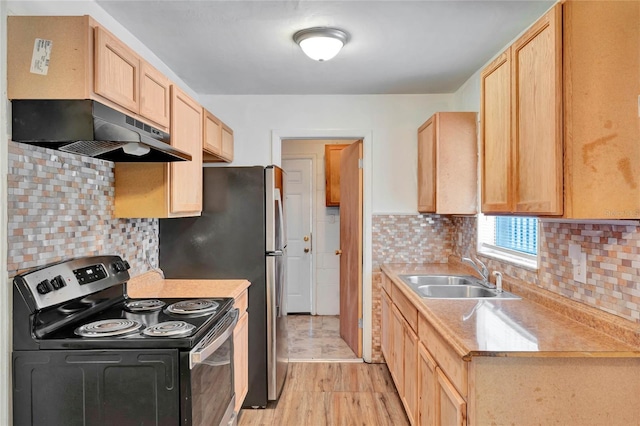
(117, 70)
(496, 131)
(86, 62)
(332, 154)
(218, 140)
(560, 120)
(522, 123)
(447, 164)
(155, 95)
(165, 190)
(601, 44)
(227, 142)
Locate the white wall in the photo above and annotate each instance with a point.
(392, 119)
(467, 98)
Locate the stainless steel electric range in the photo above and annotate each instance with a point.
(85, 354)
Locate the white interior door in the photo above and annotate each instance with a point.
(299, 196)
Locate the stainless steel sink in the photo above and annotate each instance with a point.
(439, 280)
(452, 287)
(454, 291)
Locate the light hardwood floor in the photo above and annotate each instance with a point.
(317, 337)
(318, 394)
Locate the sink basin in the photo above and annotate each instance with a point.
(454, 291)
(442, 280)
(452, 287)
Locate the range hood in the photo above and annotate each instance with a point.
(90, 128)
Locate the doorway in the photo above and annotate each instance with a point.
(314, 252)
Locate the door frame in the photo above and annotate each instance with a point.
(277, 135)
(314, 171)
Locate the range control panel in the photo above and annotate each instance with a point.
(63, 281)
(90, 274)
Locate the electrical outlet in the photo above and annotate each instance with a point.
(578, 262)
(580, 269)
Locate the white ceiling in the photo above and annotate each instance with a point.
(395, 47)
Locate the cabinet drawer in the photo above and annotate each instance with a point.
(447, 359)
(408, 310)
(242, 302)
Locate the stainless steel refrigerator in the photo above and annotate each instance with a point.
(241, 234)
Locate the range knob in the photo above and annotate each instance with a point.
(44, 287)
(58, 282)
(120, 265)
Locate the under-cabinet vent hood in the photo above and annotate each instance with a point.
(90, 128)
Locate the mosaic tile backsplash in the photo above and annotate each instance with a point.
(411, 239)
(60, 206)
(613, 263)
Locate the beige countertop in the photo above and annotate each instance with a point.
(506, 327)
(151, 284)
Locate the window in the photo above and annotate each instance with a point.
(510, 238)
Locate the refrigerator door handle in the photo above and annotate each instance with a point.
(275, 253)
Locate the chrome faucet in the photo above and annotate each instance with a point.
(498, 276)
(481, 269)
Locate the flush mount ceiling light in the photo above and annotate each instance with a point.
(321, 43)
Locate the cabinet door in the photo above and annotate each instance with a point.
(332, 155)
(451, 408)
(537, 116)
(117, 71)
(397, 345)
(427, 166)
(227, 143)
(385, 327)
(186, 135)
(495, 130)
(212, 141)
(410, 354)
(241, 359)
(154, 95)
(602, 122)
(427, 385)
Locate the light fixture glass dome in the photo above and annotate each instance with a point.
(321, 43)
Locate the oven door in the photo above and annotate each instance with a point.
(207, 377)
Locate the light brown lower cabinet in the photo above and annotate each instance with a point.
(402, 356)
(410, 355)
(427, 386)
(440, 387)
(397, 348)
(385, 342)
(451, 408)
(241, 351)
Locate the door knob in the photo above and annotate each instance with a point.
(306, 238)
(338, 252)
(306, 250)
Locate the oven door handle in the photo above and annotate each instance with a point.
(214, 339)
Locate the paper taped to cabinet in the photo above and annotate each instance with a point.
(41, 56)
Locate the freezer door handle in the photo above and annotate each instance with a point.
(275, 253)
